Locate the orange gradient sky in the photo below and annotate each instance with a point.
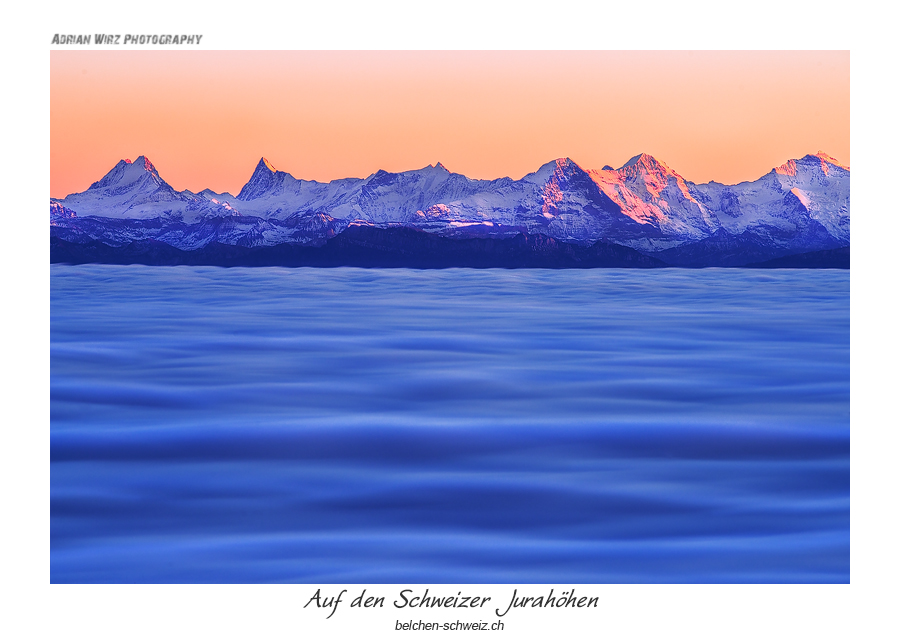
(205, 117)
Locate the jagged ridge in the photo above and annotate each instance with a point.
(644, 205)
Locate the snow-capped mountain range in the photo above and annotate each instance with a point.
(801, 206)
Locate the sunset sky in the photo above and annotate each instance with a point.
(205, 117)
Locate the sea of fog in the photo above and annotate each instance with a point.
(449, 426)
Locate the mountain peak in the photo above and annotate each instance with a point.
(819, 160)
(564, 168)
(826, 158)
(264, 178)
(557, 168)
(264, 164)
(144, 163)
(560, 166)
(126, 171)
(263, 171)
(645, 161)
(647, 173)
(646, 166)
